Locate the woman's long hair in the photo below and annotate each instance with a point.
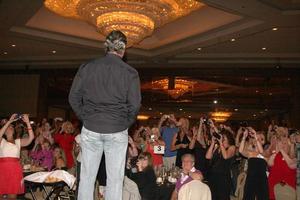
(148, 156)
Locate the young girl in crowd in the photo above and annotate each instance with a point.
(11, 176)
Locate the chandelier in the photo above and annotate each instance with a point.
(180, 87)
(220, 116)
(135, 18)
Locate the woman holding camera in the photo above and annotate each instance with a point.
(11, 176)
(152, 141)
(256, 185)
(282, 165)
(220, 153)
(145, 177)
(181, 140)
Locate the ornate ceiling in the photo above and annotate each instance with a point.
(230, 49)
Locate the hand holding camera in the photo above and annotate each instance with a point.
(217, 136)
(13, 118)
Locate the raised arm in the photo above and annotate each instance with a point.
(194, 138)
(200, 135)
(242, 144)
(210, 151)
(3, 129)
(292, 163)
(226, 153)
(237, 137)
(132, 148)
(28, 140)
(161, 121)
(258, 143)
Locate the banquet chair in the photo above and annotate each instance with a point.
(194, 190)
(284, 192)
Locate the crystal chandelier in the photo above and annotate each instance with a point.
(135, 18)
(220, 116)
(181, 86)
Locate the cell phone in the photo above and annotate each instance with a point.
(152, 138)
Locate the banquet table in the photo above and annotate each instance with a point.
(53, 192)
(52, 189)
(165, 191)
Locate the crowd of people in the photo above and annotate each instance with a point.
(245, 163)
(215, 161)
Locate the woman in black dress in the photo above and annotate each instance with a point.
(199, 148)
(181, 140)
(220, 153)
(256, 185)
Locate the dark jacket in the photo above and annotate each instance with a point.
(146, 182)
(105, 94)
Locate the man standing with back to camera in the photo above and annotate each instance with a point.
(105, 95)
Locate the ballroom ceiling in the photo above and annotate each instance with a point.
(244, 54)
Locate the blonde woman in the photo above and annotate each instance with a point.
(66, 141)
(152, 141)
(181, 140)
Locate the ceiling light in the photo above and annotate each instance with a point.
(266, 110)
(5, 53)
(180, 109)
(190, 116)
(143, 117)
(257, 91)
(160, 113)
(220, 116)
(270, 93)
(150, 109)
(137, 19)
(199, 48)
(53, 51)
(236, 109)
(264, 48)
(232, 40)
(179, 86)
(215, 101)
(254, 115)
(13, 45)
(274, 29)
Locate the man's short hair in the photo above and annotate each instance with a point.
(116, 41)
